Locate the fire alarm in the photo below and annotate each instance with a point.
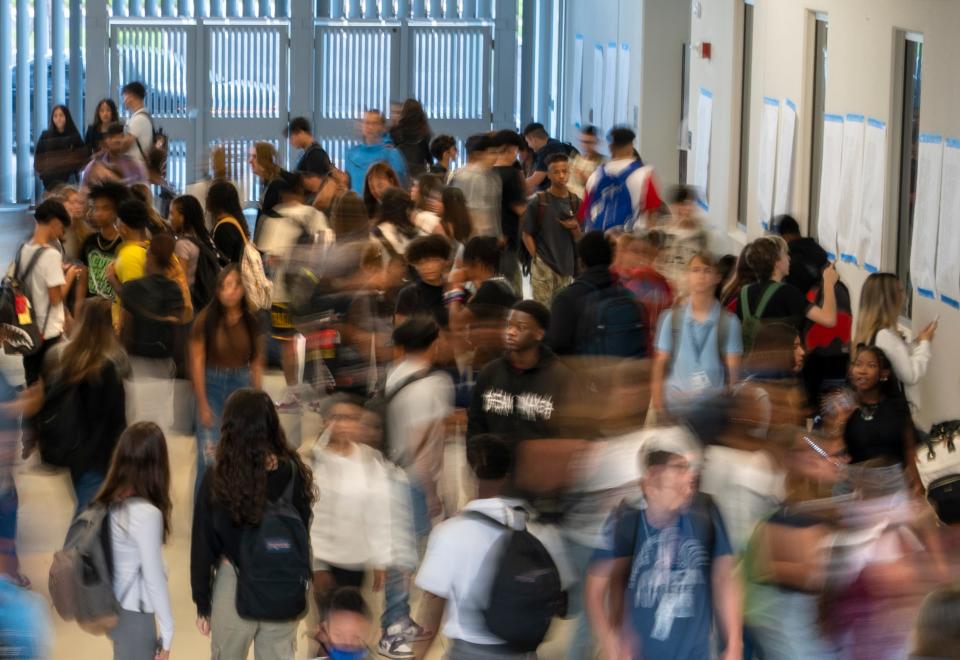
(705, 50)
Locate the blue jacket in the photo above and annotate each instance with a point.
(362, 156)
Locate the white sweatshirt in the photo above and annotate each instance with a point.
(909, 361)
(136, 528)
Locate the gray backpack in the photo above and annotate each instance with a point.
(81, 577)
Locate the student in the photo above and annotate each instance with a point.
(263, 162)
(427, 194)
(516, 396)
(373, 149)
(131, 262)
(355, 479)
(881, 300)
(393, 225)
(634, 267)
(621, 191)
(139, 126)
(807, 258)
(255, 466)
(543, 146)
(99, 251)
(60, 153)
(769, 260)
(480, 186)
(420, 400)
(443, 149)
(40, 267)
(698, 354)
(493, 296)
(457, 568)
(345, 631)
(430, 257)
(550, 232)
(105, 114)
(314, 158)
(75, 201)
(936, 635)
(586, 162)
(186, 220)
(411, 136)
(380, 178)
(114, 162)
(683, 237)
(137, 492)
(668, 570)
(226, 354)
(230, 232)
(455, 221)
(513, 202)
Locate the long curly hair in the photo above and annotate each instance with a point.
(250, 435)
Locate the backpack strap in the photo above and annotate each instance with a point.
(765, 298)
(230, 220)
(23, 280)
(676, 325)
(287, 495)
(482, 517)
(410, 380)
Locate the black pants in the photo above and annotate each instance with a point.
(33, 364)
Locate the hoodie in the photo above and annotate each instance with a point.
(518, 404)
(361, 157)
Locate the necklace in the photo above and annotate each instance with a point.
(868, 410)
(108, 246)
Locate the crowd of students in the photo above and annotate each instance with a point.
(693, 456)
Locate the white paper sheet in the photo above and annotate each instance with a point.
(577, 80)
(830, 184)
(786, 136)
(609, 86)
(948, 242)
(701, 149)
(623, 85)
(926, 216)
(874, 190)
(851, 174)
(767, 161)
(596, 106)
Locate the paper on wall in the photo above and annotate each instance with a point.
(830, 184)
(701, 150)
(596, 107)
(851, 174)
(609, 86)
(767, 160)
(926, 216)
(577, 80)
(782, 195)
(623, 85)
(870, 231)
(948, 240)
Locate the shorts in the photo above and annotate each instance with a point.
(281, 324)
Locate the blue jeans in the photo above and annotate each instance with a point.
(396, 595)
(85, 486)
(220, 384)
(581, 642)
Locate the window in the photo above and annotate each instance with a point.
(819, 95)
(745, 88)
(910, 58)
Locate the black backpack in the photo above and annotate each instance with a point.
(58, 427)
(526, 593)
(613, 324)
(274, 566)
(209, 264)
(380, 403)
(17, 311)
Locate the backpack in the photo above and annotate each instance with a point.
(81, 576)
(380, 404)
(159, 142)
(209, 264)
(752, 322)
(274, 565)
(526, 592)
(57, 426)
(613, 324)
(17, 309)
(676, 325)
(610, 203)
(259, 289)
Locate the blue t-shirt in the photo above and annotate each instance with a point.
(669, 601)
(698, 369)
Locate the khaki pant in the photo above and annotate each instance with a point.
(545, 282)
(231, 636)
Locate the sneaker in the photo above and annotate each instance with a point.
(414, 632)
(289, 403)
(394, 645)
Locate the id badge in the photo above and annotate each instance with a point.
(699, 381)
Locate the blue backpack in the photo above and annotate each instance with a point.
(610, 203)
(613, 324)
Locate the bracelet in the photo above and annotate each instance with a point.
(454, 295)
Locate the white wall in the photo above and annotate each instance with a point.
(861, 71)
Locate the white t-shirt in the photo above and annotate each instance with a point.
(139, 577)
(419, 407)
(426, 221)
(456, 565)
(48, 272)
(140, 127)
(279, 240)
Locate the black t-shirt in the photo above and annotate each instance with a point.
(881, 436)
(97, 253)
(493, 299)
(422, 298)
(787, 303)
(314, 160)
(512, 193)
(807, 259)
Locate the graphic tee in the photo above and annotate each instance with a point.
(98, 253)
